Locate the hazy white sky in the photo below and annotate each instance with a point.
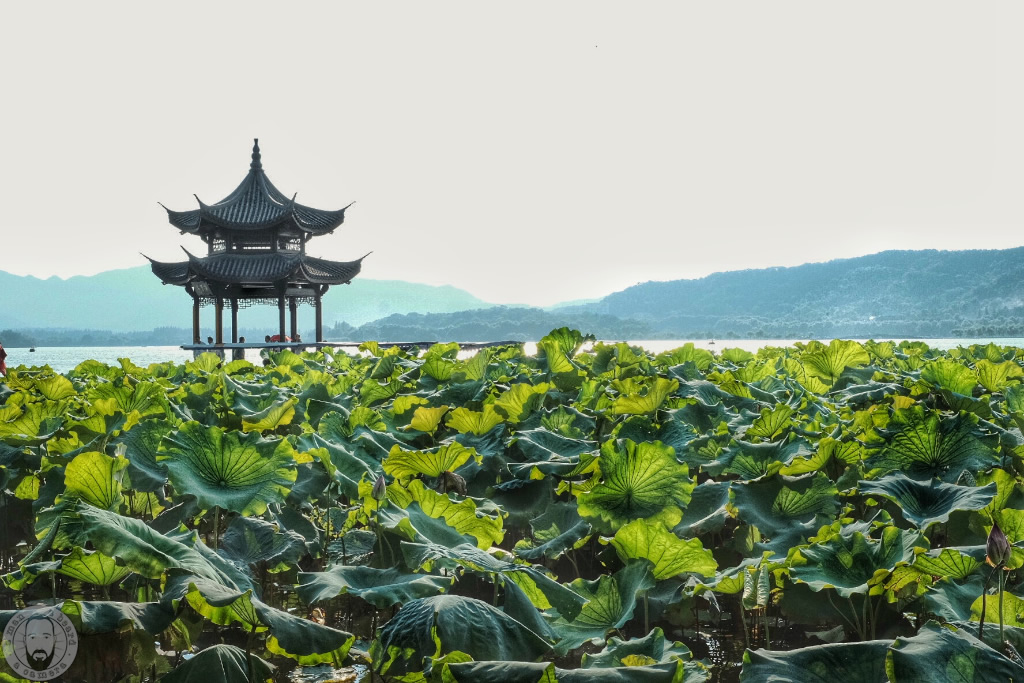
(528, 152)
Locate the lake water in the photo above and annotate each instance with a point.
(65, 358)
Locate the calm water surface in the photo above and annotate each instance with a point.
(65, 358)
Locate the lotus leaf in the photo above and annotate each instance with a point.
(848, 662)
(242, 473)
(854, 563)
(403, 464)
(520, 400)
(96, 479)
(92, 567)
(220, 664)
(462, 516)
(927, 447)
(429, 627)
(785, 509)
(828, 362)
(248, 541)
(148, 552)
(669, 554)
(941, 654)
(556, 531)
(610, 603)
(925, 504)
(382, 588)
(141, 445)
(528, 672)
(651, 398)
(637, 481)
(952, 563)
(653, 648)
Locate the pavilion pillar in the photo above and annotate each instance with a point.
(293, 307)
(319, 336)
(280, 310)
(195, 321)
(220, 321)
(234, 320)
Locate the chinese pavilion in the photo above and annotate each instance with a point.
(256, 254)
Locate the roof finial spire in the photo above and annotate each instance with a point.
(256, 164)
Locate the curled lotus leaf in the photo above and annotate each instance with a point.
(927, 503)
(668, 554)
(848, 662)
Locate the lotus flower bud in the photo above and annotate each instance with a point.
(997, 547)
(380, 488)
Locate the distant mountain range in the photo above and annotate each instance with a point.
(133, 299)
(891, 294)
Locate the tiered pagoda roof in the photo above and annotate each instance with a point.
(255, 205)
(256, 239)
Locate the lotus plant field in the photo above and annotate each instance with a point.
(839, 511)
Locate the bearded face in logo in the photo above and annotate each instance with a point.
(39, 638)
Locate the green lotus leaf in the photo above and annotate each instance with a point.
(539, 587)
(520, 400)
(425, 419)
(996, 376)
(688, 353)
(772, 424)
(652, 649)
(610, 603)
(242, 473)
(27, 573)
(412, 524)
(146, 551)
(925, 504)
(32, 424)
(754, 460)
(948, 374)
(566, 340)
(943, 654)
(220, 663)
(96, 479)
(92, 567)
(303, 640)
(462, 516)
(1013, 610)
(854, 563)
(346, 464)
(54, 387)
(272, 417)
(952, 600)
(141, 445)
(403, 464)
(929, 447)
(786, 509)
(94, 617)
(828, 363)
(541, 672)
(669, 554)
(146, 398)
(433, 626)
(466, 421)
(953, 563)
(556, 531)
(382, 588)
(637, 481)
(545, 445)
(706, 511)
(847, 662)
(248, 541)
(648, 401)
